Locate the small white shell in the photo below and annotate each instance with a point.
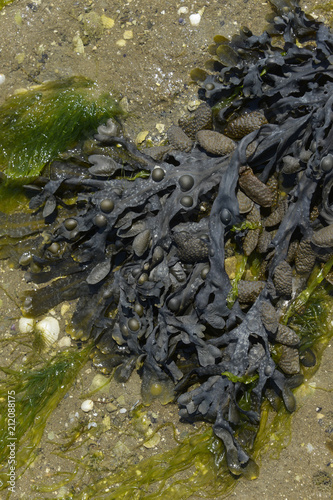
(2, 78)
(49, 329)
(182, 10)
(87, 405)
(195, 19)
(26, 325)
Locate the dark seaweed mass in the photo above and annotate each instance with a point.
(145, 247)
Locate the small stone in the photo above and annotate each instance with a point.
(63, 492)
(64, 309)
(121, 42)
(121, 400)
(78, 44)
(124, 103)
(120, 449)
(309, 448)
(141, 136)
(160, 127)
(106, 423)
(230, 266)
(110, 407)
(64, 342)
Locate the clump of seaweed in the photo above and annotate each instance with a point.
(144, 246)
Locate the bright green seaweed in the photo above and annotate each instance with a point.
(36, 392)
(40, 123)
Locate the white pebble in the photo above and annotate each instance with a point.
(26, 325)
(49, 329)
(195, 19)
(64, 342)
(87, 405)
(182, 10)
(122, 410)
(2, 78)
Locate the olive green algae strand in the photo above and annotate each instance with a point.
(36, 393)
(314, 281)
(201, 451)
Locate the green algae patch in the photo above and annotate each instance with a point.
(197, 451)
(300, 302)
(27, 398)
(5, 2)
(199, 457)
(40, 123)
(274, 433)
(13, 198)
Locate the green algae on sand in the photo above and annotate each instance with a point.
(40, 123)
(27, 397)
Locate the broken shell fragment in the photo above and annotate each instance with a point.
(87, 405)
